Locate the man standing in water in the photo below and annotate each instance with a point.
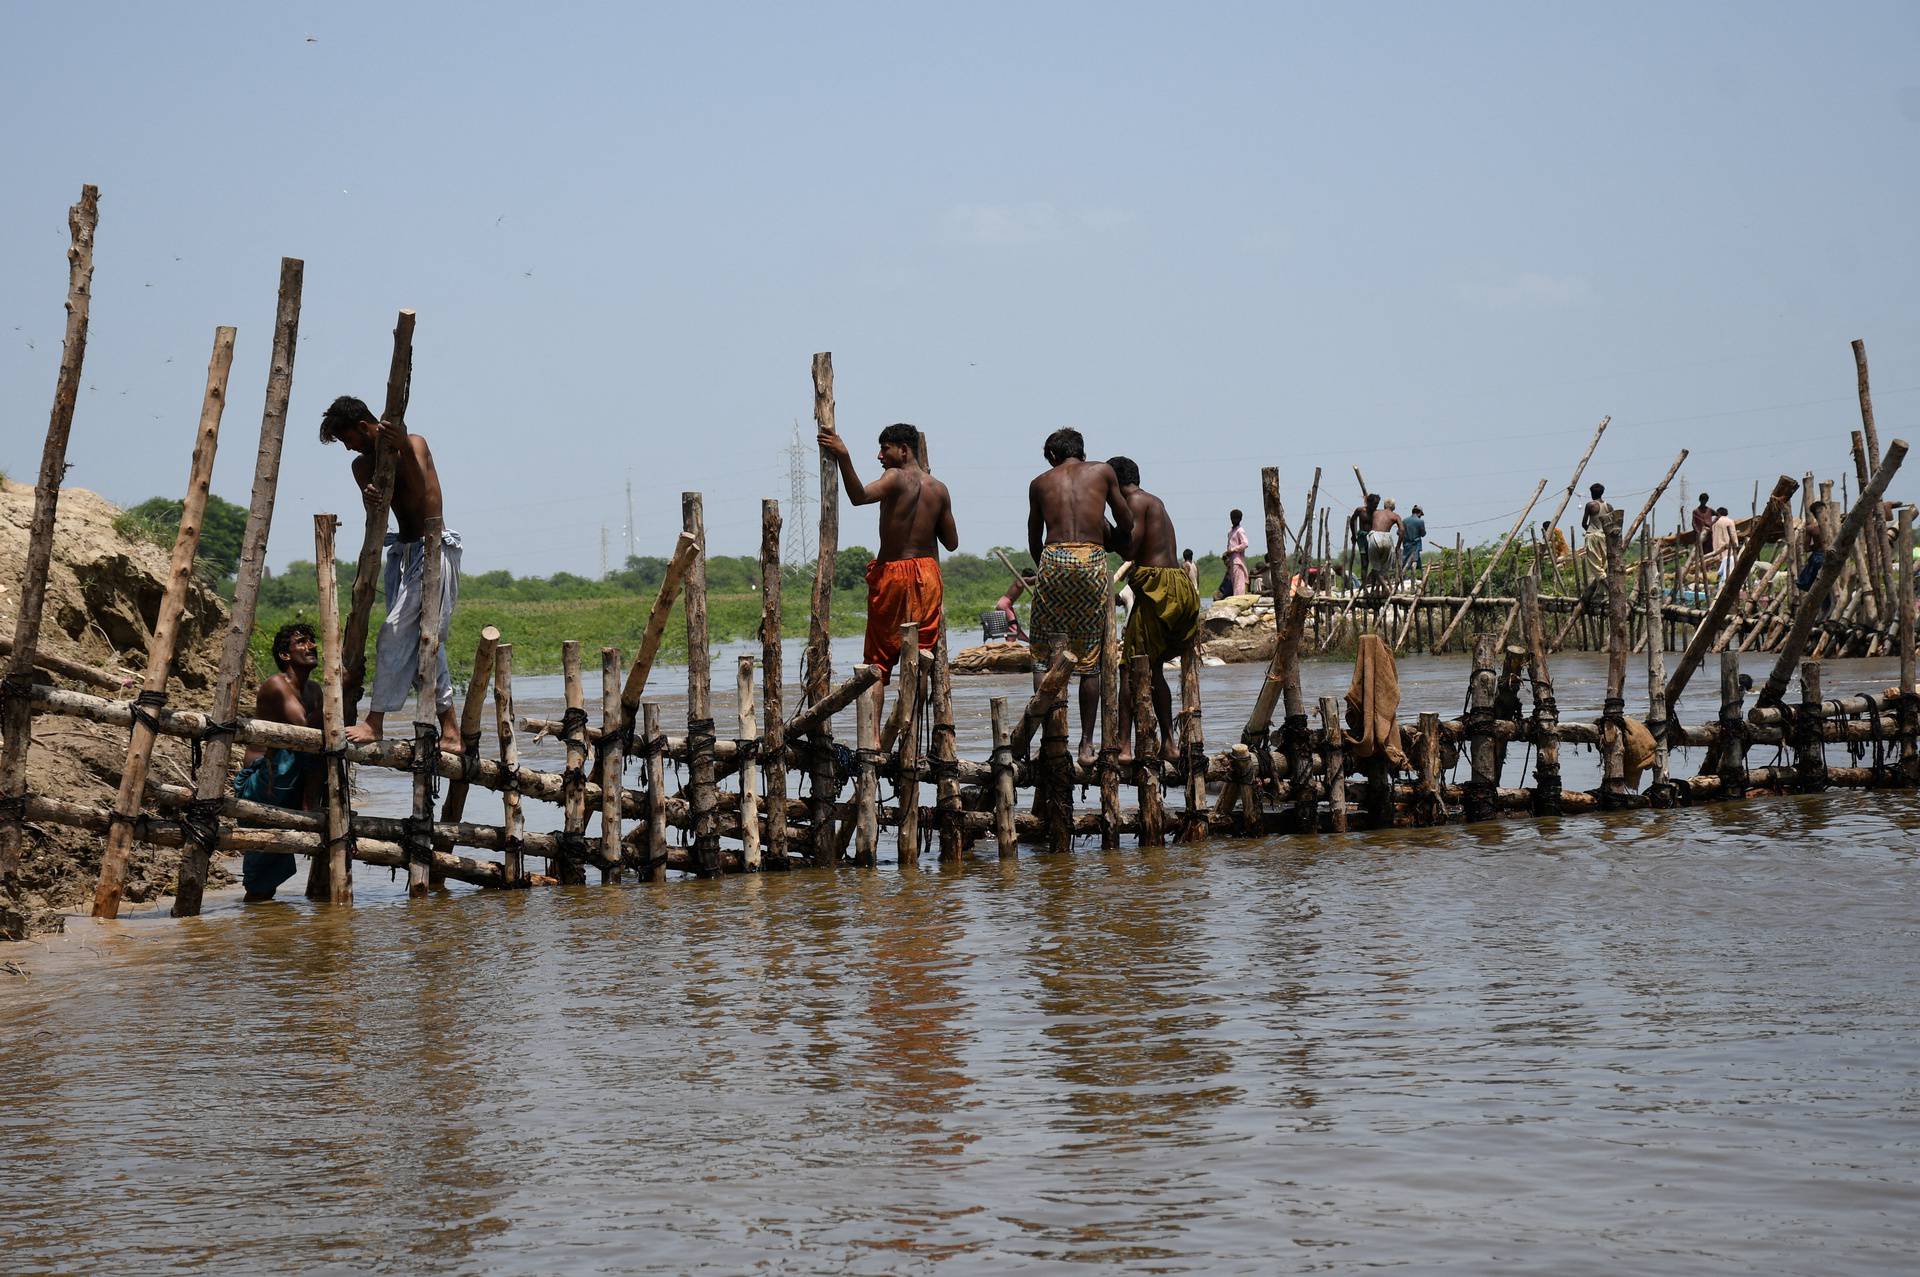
(416, 502)
(1067, 537)
(281, 777)
(1166, 609)
(903, 581)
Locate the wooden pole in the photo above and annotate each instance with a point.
(945, 755)
(657, 794)
(1633, 529)
(1004, 837)
(818, 671)
(1837, 553)
(1809, 751)
(166, 633)
(367, 569)
(513, 825)
(1733, 750)
(773, 748)
(1874, 576)
(1903, 546)
(700, 737)
(1146, 754)
(1336, 765)
(216, 757)
(1427, 765)
(473, 713)
(1578, 470)
(1657, 715)
(1055, 796)
(1413, 610)
(1193, 745)
(907, 844)
(1110, 720)
(1046, 693)
(333, 718)
(613, 760)
(1546, 712)
(866, 785)
(1280, 685)
(1279, 580)
(1482, 688)
(1501, 553)
(1866, 404)
(749, 774)
(685, 550)
(570, 868)
(426, 710)
(1613, 736)
(1303, 542)
(1773, 517)
(16, 712)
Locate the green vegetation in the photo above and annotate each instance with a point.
(157, 521)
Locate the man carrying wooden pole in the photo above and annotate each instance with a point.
(16, 711)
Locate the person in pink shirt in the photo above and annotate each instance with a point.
(1236, 557)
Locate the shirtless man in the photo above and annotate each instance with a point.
(281, 777)
(1593, 522)
(1166, 610)
(416, 499)
(1067, 536)
(903, 581)
(1383, 543)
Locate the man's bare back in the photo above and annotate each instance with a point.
(416, 484)
(915, 508)
(1153, 544)
(1385, 520)
(1069, 503)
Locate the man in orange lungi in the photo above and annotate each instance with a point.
(903, 581)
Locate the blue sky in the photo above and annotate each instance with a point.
(1440, 242)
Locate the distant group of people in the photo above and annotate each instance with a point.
(1386, 543)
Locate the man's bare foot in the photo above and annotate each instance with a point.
(1086, 753)
(362, 734)
(1125, 755)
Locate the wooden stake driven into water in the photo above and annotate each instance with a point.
(866, 784)
(686, 548)
(1657, 716)
(945, 754)
(773, 741)
(166, 634)
(473, 714)
(613, 758)
(367, 569)
(1108, 762)
(16, 712)
(749, 774)
(216, 756)
(1336, 765)
(1546, 711)
(656, 870)
(426, 709)
(1482, 688)
(1903, 547)
(1004, 837)
(338, 878)
(700, 737)
(907, 845)
(1146, 755)
(512, 820)
(570, 868)
(817, 673)
(1193, 744)
(1613, 741)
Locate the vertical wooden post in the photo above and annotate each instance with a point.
(426, 715)
(216, 753)
(866, 785)
(819, 674)
(945, 757)
(473, 712)
(749, 774)
(1733, 740)
(567, 867)
(1245, 772)
(1193, 745)
(613, 761)
(1613, 733)
(907, 845)
(1657, 716)
(1903, 546)
(1773, 517)
(700, 737)
(1336, 764)
(513, 821)
(166, 633)
(333, 717)
(1003, 828)
(656, 794)
(1427, 763)
(367, 569)
(1108, 763)
(1056, 765)
(1146, 754)
(16, 711)
(773, 747)
(1482, 689)
(1546, 712)
(1809, 749)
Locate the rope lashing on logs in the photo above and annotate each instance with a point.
(1613, 713)
(1907, 711)
(571, 848)
(13, 808)
(1735, 738)
(573, 730)
(200, 823)
(142, 709)
(469, 756)
(1194, 761)
(17, 687)
(1296, 740)
(337, 759)
(1802, 731)
(1879, 742)
(426, 759)
(196, 741)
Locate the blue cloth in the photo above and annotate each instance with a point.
(278, 778)
(1809, 573)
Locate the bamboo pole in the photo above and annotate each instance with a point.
(333, 720)
(656, 870)
(1578, 470)
(513, 824)
(1653, 498)
(16, 713)
(166, 632)
(700, 736)
(749, 775)
(1703, 634)
(945, 755)
(1108, 763)
(613, 761)
(1146, 754)
(570, 867)
(1336, 766)
(216, 758)
(1193, 743)
(1840, 547)
(685, 550)
(866, 785)
(818, 671)
(1546, 713)
(1004, 836)
(367, 568)
(1501, 553)
(907, 844)
(773, 747)
(426, 708)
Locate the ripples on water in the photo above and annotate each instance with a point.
(1677, 1042)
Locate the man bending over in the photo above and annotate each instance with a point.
(281, 777)
(1067, 537)
(903, 581)
(1166, 609)
(416, 500)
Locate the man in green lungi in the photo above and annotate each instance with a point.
(1166, 607)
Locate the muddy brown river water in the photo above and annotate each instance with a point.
(1678, 1042)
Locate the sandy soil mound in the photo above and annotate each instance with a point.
(103, 599)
